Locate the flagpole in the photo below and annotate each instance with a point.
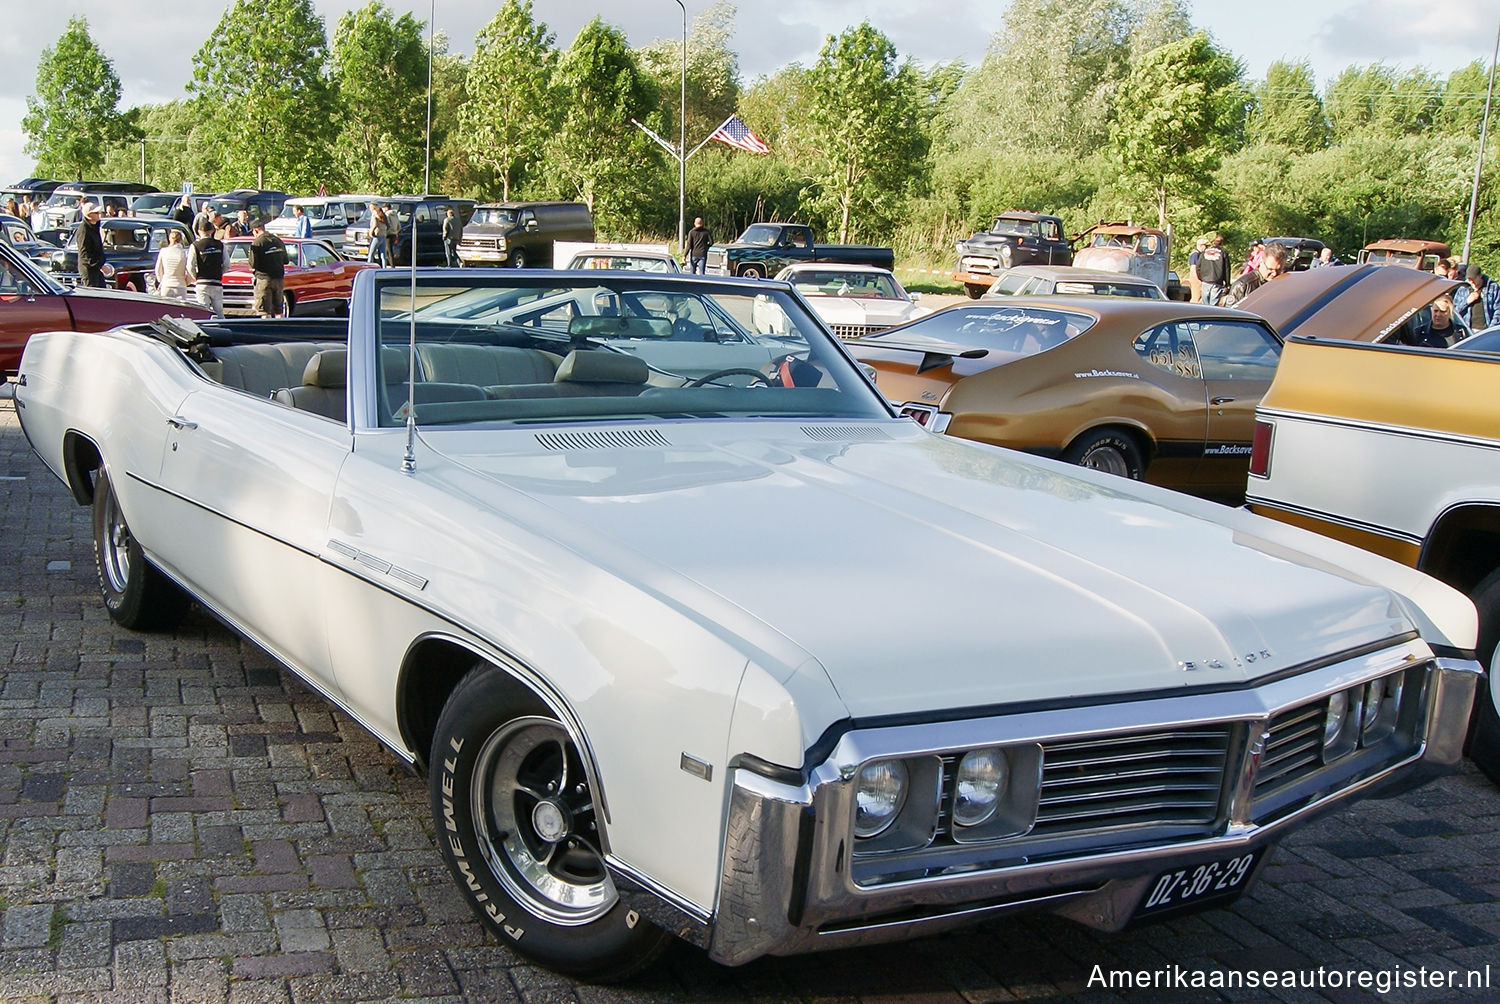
(1484, 126)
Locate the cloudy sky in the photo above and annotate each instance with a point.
(152, 51)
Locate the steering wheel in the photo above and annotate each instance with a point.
(732, 371)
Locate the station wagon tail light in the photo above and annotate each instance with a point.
(1260, 449)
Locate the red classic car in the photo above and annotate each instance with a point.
(318, 279)
(31, 301)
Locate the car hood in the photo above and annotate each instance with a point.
(1358, 302)
(923, 574)
(845, 310)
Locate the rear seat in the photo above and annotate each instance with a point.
(324, 383)
(486, 365)
(264, 369)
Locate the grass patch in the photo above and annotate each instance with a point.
(55, 927)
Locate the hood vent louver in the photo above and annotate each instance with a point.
(612, 439)
(846, 433)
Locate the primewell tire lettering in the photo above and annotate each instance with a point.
(461, 859)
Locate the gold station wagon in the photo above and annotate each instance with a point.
(1150, 389)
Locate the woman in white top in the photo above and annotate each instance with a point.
(171, 268)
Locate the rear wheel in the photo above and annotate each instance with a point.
(136, 595)
(519, 830)
(1484, 726)
(1110, 451)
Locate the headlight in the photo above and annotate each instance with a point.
(879, 797)
(1381, 708)
(107, 270)
(1333, 719)
(982, 777)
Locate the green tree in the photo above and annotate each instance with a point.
(261, 86)
(1182, 107)
(1463, 100)
(596, 155)
(74, 116)
(511, 106)
(1376, 98)
(380, 69)
(864, 124)
(173, 154)
(1287, 109)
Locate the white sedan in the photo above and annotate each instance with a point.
(853, 300)
(741, 657)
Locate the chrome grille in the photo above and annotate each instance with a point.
(1168, 777)
(848, 331)
(1294, 746)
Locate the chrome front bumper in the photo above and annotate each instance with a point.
(788, 883)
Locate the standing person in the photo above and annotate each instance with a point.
(90, 244)
(696, 246)
(268, 266)
(1272, 266)
(1478, 300)
(241, 226)
(378, 228)
(206, 266)
(1195, 284)
(303, 226)
(452, 233)
(1253, 257)
(1213, 270)
(393, 234)
(172, 268)
(184, 212)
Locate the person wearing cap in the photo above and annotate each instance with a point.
(90, 244)
(268, 266)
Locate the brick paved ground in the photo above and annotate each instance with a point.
(181, 820)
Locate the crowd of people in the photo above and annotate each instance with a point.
(1474, 297)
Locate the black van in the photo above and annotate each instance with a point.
(420, 216)
(521, 233)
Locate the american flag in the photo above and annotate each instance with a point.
(738, 135)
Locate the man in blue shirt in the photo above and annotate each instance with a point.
(1480, 305)
(303, 227)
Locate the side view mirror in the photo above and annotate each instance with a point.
(530, 226)
(915, 297)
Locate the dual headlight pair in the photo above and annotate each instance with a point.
(980, 792)
(1362, 716)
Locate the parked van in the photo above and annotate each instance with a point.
(62, 205)
(330, 216)
(419, 216)
(259, 203)
(521, 234)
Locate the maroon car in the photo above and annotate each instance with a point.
(30, 301)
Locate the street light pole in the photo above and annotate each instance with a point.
(682, 140)
(1484, 126)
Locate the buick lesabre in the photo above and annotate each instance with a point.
(694, 636)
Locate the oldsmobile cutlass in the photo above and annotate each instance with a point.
(693, 635)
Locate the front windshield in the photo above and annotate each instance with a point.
(761, 235)
(605, 346)
(1015, 331)
(845, 283)
(228, 207)
(489, 216)
(1016, 228)
(62, 198)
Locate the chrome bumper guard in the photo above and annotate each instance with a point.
(789, 882)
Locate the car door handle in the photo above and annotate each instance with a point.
(1220, 400)
(178, 422)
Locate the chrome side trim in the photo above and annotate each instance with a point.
(1328, 517)
(1405, 431)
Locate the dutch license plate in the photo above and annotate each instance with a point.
(1196, 884)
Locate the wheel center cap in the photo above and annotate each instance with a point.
(550, 822)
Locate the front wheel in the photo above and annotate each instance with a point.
(975, 290)
(518, 258)
(288, 305)
(1484, 725)
(1110, 451)
(751, 272)
(518, 825)
(136, 595)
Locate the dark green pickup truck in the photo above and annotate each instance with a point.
(766, 248)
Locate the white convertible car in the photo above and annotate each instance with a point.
(694, 636)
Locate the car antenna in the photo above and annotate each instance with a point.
(409, 461)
